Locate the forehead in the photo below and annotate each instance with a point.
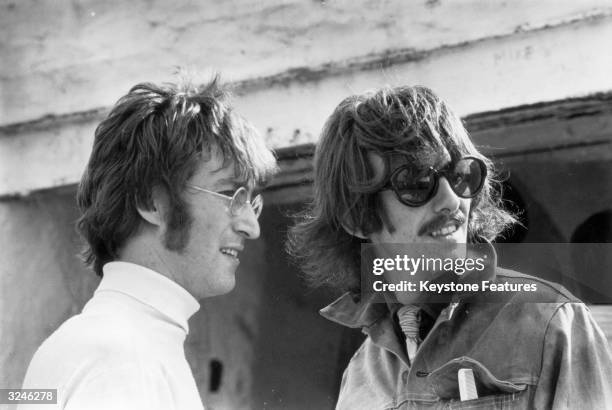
(214, 174)
(422, 158)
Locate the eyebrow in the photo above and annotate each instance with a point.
(235, 184)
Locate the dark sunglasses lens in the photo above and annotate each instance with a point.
(413, 186)
(467, 177)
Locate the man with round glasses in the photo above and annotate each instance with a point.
(168, 200)
(396, 169)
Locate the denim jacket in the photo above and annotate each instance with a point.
(523, 354)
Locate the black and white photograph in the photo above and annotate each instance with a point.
(305, 204)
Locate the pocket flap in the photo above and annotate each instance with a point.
(445, 382)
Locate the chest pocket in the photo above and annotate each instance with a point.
(493, 393)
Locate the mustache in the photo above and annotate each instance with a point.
(440, 221)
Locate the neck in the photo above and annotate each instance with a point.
(146, 250)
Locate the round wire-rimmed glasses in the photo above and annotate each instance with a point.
(237, 201)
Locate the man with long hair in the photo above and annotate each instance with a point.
(168, 199)
(396, 170)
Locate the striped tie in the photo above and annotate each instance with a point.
(409, 318)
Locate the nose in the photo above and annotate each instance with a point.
(246, 223)
(445, 198)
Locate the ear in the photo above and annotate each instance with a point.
(353, 231)
(156, 212)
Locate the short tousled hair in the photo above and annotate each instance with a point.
(157, 136)
(411, 120)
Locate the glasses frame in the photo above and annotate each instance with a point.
(437, 174)
(256, 203)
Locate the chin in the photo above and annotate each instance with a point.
(225, 287)
(227, 290)
(218, 288)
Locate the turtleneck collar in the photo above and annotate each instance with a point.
(150, 288)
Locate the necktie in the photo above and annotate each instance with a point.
(409, 318)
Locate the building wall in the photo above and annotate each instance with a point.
(291, 62)
(70, 56)
(65, 62)
(41, 281)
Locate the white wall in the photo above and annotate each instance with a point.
(65, 62)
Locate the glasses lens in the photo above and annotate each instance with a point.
(413, 186)
(257, 204)
(467, 177)
(239, 200)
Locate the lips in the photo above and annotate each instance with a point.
(443, 225)
(232, 251)
(447, 230)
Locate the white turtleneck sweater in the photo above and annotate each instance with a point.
(124, 351)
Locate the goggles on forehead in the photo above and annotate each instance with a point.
(415, 186)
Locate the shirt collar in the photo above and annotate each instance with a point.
(150, 288)
(351, 311)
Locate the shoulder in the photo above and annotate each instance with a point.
(96, 368)
(94, 333)
(531, 311)
(544, 291)
(575, 319)
(83, 344)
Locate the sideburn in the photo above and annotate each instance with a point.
(180, 222)
(383, 215)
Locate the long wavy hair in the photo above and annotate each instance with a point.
(412, 120)
(157, 136)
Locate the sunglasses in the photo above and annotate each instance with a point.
(415, 186)
(237, 201)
